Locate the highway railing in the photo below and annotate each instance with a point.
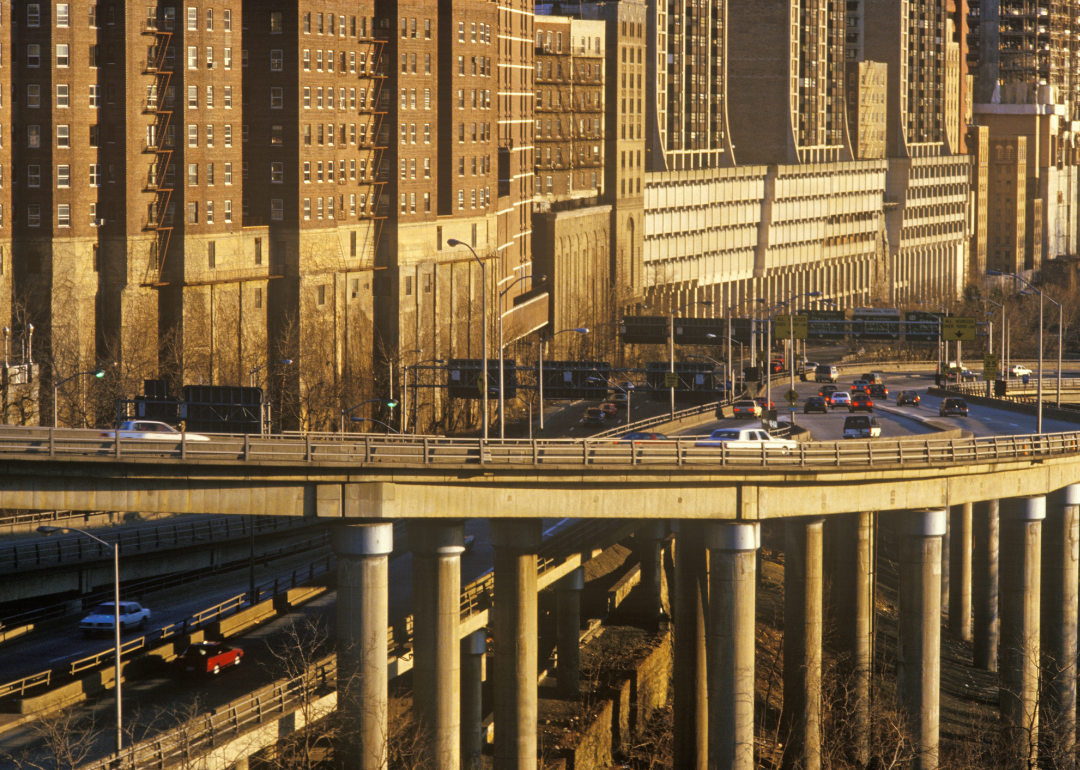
(74, 548)
(425, 451)
(21, 687)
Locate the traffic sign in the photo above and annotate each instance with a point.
(990, 366)
(782, 327)
(671, 379)
(792, 396)
(958, 328)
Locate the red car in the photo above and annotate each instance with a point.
(765, 403)
(609, 409)
(208, 658)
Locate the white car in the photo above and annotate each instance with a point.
(1017, 370)
(750, 438)
(839, 399)
(103, 619)
(152, 431)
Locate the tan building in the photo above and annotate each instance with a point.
(1007, 194)
(570, 107)
(978, 143)
(866, 82)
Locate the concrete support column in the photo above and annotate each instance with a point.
(363, 555)
(732, 604)
(984, 586)
(649, 544)
(516, 542)
(568, 632)
(919, 669)
(801, 718)
(1060, 559)
(960, 543)
(691, 714)
(853, 591)
(437, 548)
(1021, 573)
(473, 650)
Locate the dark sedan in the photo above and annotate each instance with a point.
(594, 415)
(815, 404)
(907, 398)
(860, 402)
(953, 406)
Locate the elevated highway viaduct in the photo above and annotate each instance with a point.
(1025, 489)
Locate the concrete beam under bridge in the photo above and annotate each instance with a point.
(594, 491)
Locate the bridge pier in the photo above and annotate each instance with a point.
(853, 599)
(733, 550)
(919, 649)
(473, 650)
(363, 557)
(691, 717)
(568, 621)
(436, 578)
(1060, 573)
(516, 542)
(1021, 567)
(960, 544)
(984, 587)
(649, 544)
(801, 718)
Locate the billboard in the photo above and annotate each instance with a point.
(878, 323)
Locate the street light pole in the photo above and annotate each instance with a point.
(404, 391)
(416, 394)
(264, 406)
(540, 368)
(671, 345)
(502, 399)
(454, 242)
(115, 547)
(98, 373)
(1038, 386)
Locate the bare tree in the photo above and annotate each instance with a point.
(66, 739)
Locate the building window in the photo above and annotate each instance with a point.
(210, 97)
(63, 176)
(228, 57)
(228, 211)
(192, 97)
(277, 135)
(95, 96)
(228, 173)
(33, 55)
(226, 22)
(307, 208)
(63, 215)
(209, 212)
(276, 58)
(192, 57)
(192, 18)
(33, 15)
(33, 176)
(277, 98)
(277, 209)
(192, 135)
(62, 57)
(277, 172)
(211, 254)
(33, 96)
(193, 174)
(209, 136)
(63, 136)
(95, 174)
(33, 136)
(193, 212)
(33, 215)
(228, 97)
(275, 22)
(322, 293)
(228, 135)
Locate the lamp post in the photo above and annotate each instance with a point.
(416, 395)
(540, 367)
(390, 404)
(502, 399)
(1001, 355)
(264, 405)
(944, 312)
(454, 242)
(115, 548)
(1038, 385)
(671, 345)
(98, 373)
(793, 306)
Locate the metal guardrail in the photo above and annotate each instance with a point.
(60, 549)
(426, 451)
(134, 589)
(20, 687)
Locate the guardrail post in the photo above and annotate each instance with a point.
(363, 552)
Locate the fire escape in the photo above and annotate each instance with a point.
(375, 141)
(160, 139)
